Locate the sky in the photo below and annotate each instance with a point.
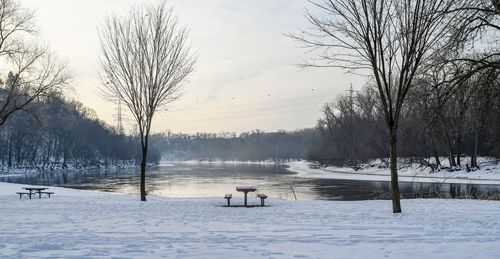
(246, 76)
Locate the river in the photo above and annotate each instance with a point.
(215, 180)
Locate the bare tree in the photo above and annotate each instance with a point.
(393, 40)
(145, 59)
(34, 72)
(486, 89)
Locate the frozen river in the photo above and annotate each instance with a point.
(201, 180)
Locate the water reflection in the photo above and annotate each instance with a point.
(217, 180)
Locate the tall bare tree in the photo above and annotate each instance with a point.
(145, 59)
(34, 72)
(390, 40)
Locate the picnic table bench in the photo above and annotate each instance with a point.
(24, 193)
(262, 197)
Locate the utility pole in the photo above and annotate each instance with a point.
(119, 123)
(351, 96)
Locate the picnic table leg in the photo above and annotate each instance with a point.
(246, 198)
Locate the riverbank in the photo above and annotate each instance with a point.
(28, 170)
(95, 224)
(488, 174)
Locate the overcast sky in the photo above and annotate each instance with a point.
(246, 77)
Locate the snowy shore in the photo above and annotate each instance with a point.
(489, 174)
(26, 170)
(91, 224)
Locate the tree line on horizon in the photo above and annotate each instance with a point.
(255, 145)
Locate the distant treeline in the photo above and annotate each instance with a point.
(248, 146)
(459, 122)
(54, 133)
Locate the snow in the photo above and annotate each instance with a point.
(488, 174)
(71, 167)
(75, 223)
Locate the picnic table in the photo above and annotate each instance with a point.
(246, 190)
(34, 191)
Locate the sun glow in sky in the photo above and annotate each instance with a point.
(246, 76)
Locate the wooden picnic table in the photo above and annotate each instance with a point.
(246, 190)
(35, 190)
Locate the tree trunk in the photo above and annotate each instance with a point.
(65, 157)
(144, 148)
(459, 147)
(473, 159)
(18, 153)
(143, 173)
(33, 153)
(451, 153)
(396, 204)
(436, 156)
(9, 163)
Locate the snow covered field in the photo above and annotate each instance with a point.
(489, 174)
(93, 224)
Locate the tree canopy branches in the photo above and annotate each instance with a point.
(34, 70)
